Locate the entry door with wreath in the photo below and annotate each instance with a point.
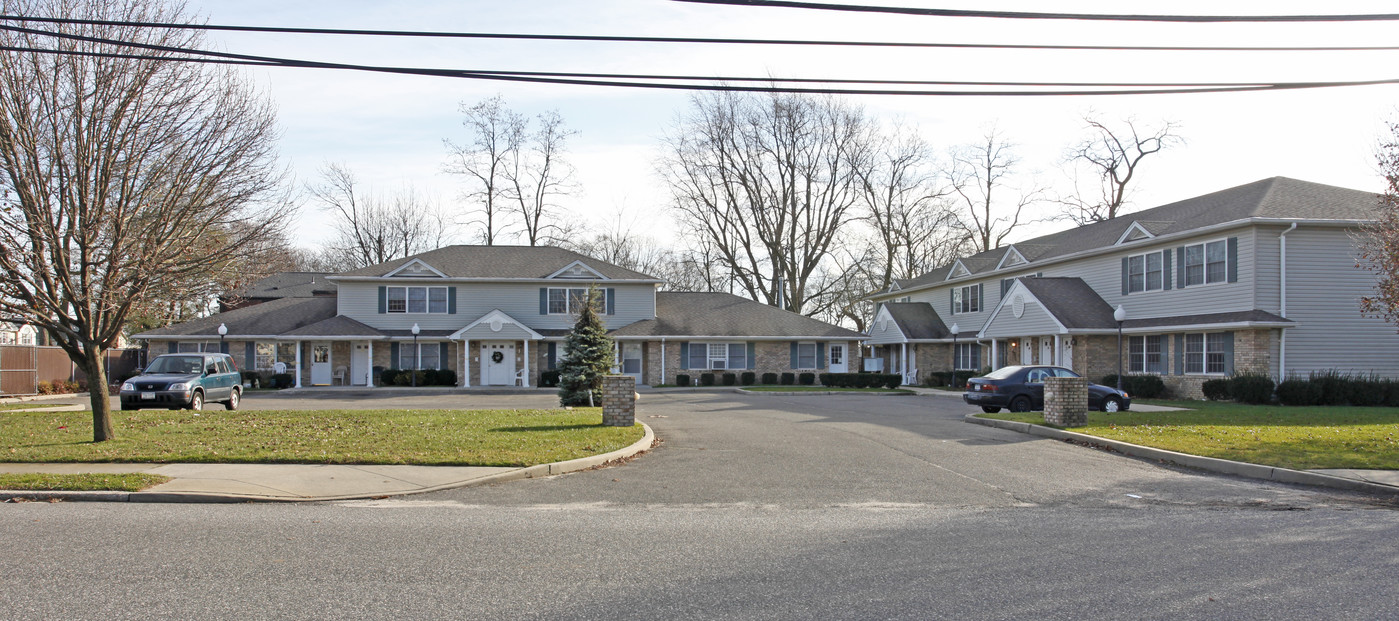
(498, 364)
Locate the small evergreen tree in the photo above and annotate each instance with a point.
(587, 356)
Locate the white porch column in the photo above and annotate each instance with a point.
(994, 356)
(525, 382)
(662, 379)
(466, 363)
(369, 381)
(298, 364)
(1058, 351)
(903, 361)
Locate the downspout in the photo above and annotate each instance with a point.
(1282, 300)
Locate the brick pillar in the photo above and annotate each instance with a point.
(1066, 401)
(619, 400)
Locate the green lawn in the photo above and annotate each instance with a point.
(1300, 438)
(897, 391)
(131, 482)
(421, 437)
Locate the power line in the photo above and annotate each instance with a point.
(700, 40)
(601, 80)
(792, 4)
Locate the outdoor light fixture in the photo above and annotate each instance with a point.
(952, 378)
(223, 331)
(1120, 315)
(416, 330)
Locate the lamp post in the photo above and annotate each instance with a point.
(952, 378)
(1120, 315)
(223, 331)
(416, 357)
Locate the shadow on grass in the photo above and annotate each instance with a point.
(548, 428)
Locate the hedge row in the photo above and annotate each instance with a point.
(426, 377)
(1335, 388)
(957, 379)
(1138, 386)
(861, 380)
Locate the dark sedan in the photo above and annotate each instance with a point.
(1021, 389)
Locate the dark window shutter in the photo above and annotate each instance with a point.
(544, 300)
(451, 300)
(1180, 354)
(980, 298)
(383, 300)
(1233, 246)
(174, 347)
(442, 355)
(393, 355)
(249, 354)
(1166, 270)
(1005, 285)
(792, 361)
(951, 304)
(1229, 353)
(820, 355)
(1180, 267)
(684, 356)
(752, 356)
(611, 301)
(223, 346)
(1126, 283)
(553, 356)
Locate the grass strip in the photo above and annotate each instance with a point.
(414, 437)
(1300, 438)
(129, 482)
(896, 391)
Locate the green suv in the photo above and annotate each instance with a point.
(184, 381)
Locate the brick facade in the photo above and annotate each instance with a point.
(1066, 401)
(618, 400)
(770, 357)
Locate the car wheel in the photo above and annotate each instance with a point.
(989, 409)
(1112, 404)
(232, 403)
(196, 401)
(1020, 404)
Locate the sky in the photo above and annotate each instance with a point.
(390, 130)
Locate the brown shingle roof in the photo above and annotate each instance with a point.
(725, 315)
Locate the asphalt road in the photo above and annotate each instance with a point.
(753, 507)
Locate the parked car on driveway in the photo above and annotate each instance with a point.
(1021, 389)
(184, 381)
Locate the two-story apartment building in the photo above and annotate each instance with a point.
(1258, 278)
(497, 316)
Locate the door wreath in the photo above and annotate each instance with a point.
(496, 357)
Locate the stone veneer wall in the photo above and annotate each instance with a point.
(1066, 401)
(772, 357)
(618, 400)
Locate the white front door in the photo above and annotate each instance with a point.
(497, 364)
(320, 364)
(1046, 350)
(1066, 357)
(1027, 352)
(631, 360)
(359, 364)
(837, 358)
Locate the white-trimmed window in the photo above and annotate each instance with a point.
(427, 356)
(968, 357)
(265, 354)
(719, 356)
(1146, 354)
(418, 300)
(188, 347)
(1206, 263)
(1205, 353)
(966, 299)
(286, 354)
(806, 355)
(1144, 272)
(570, 301)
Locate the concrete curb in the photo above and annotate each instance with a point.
(530, 472)
(28, 398)
(1210, 464)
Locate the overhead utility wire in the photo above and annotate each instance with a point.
(702, 40)
(1203, 19)
(246, 59)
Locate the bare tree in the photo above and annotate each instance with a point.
(123, 178)
(982, 176)
(538, 174)
(768, 182)
(370, 230)
(621, 243)
(1379, 241)
(495, 134)
(1112, 156)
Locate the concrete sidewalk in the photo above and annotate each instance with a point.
(302, 482)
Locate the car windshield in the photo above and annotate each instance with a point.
(182, 365)
(1002, 373)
